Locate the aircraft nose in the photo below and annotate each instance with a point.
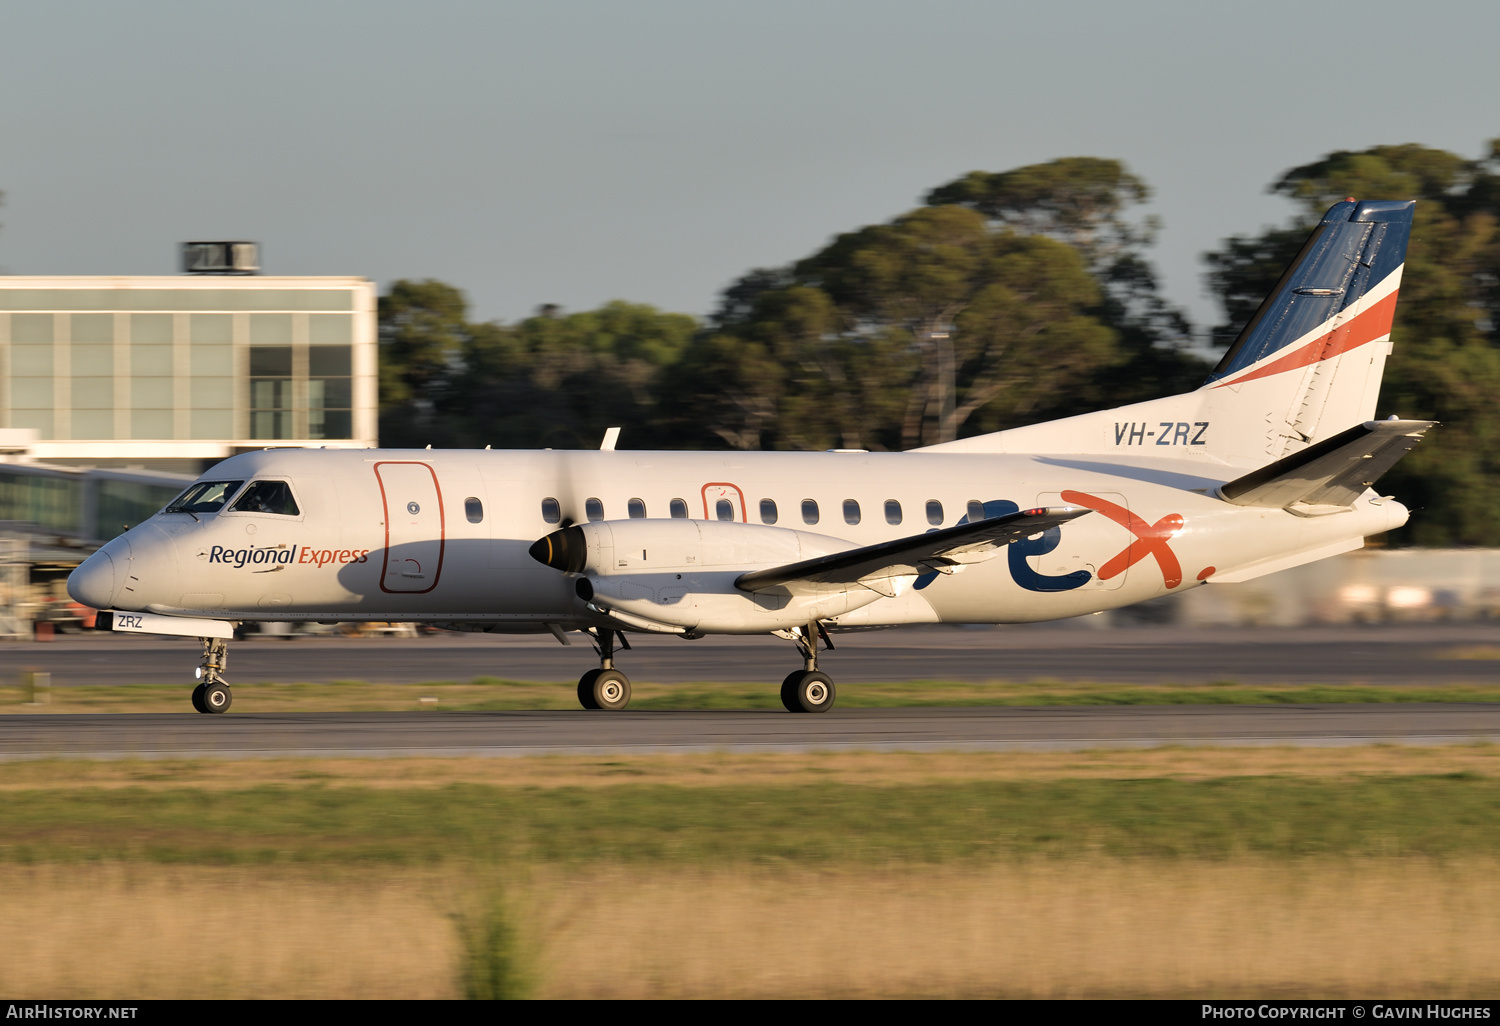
(95, 582)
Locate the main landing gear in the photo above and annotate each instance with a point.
(809, 690)
(212, 693)
(606, 687)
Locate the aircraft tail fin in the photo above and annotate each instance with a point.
(1305, 368)
(1314, 332)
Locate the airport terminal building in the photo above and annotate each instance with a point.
(176, 373)
(116, 391)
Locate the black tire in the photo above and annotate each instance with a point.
(611, 690)
(789, 691)
(216, 697)
(586, 689)
(198, 699)
(814, 692)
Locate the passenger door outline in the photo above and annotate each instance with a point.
(408, 521)
(724, 490)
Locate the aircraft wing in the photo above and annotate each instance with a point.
(1329, 475)
(889, 566)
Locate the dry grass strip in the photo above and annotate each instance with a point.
(1067, 928)
(152, 931)
(721, 768)
(1059, 929)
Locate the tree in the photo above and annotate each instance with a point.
(585, 372)
(1445, 363)
(1081, 201)
(423, 331)
(1076, 200)
(1009, 297)
(551, 380)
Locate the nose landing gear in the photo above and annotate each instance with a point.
(606, 687)
(212, 693)
(808, 690)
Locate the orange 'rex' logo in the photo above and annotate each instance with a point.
(1149, 538)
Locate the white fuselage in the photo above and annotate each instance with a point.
(443, 536)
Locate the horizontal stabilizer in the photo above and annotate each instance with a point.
(1333, 472)
(918, 554)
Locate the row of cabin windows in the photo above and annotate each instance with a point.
(724, 510)
(276, 497)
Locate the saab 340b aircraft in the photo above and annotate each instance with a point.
(1268, 465)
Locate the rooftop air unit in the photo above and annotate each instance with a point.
(220, 258)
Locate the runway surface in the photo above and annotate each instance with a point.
(1411, 655)
(179, 735)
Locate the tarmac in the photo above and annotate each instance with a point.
(1410, 655)
(1406, 655)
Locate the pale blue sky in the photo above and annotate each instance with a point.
(576, 152)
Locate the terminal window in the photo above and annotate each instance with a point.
(329, 392)
(148, 363)
(271, 392)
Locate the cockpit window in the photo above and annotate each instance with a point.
(267, 497)
(203, 497)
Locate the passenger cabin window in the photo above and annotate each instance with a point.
(679, 509)
(934, 513)
(892, 511)
(976, 511)
(593, 509)
(809, 511)
(724, 509)
(267, 497)
(474, 510)
(203, 497)
(637, 509)
(851, 511)
(551, 511)
(768, 511)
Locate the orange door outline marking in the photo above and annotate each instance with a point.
(385, 508)
(744, 509)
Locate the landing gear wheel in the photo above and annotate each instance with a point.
(586, 689)
(216, 697)
(789, 691)
(198, 698)
(611, 690)
(809, 691)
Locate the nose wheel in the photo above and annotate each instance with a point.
(212, 693)
(809, 690)
(606, 687)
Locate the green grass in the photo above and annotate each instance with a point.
(492, 967)
(496, 694)
(805, 824)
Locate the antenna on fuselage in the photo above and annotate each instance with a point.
(611, 436)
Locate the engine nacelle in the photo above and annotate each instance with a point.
(678, 575)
